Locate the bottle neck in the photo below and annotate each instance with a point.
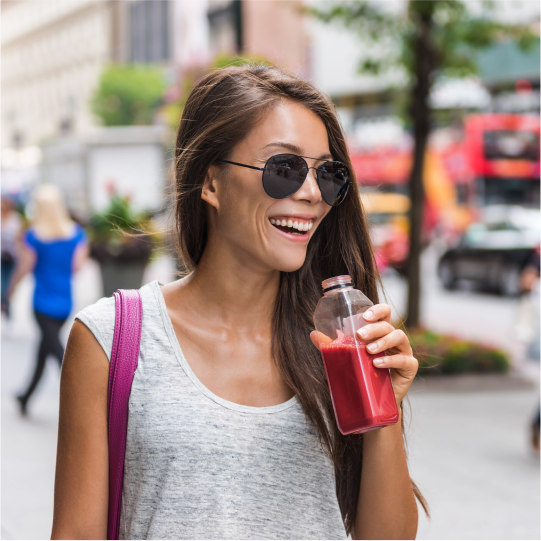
(338, 289)
(337, 282)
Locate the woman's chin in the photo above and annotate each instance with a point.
(285, 262)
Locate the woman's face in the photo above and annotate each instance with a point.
(248, 220)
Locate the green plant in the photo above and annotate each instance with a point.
(120, 232)
(441, 354)
(128, 95)
(119, 218)
(425, 40)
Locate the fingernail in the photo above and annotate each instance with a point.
(372, 347)
(368, 314)
(363, 333)
(380, 361)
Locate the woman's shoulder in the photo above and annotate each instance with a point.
(100, 320)
(79, 232)
(30, 239)
(100, 316)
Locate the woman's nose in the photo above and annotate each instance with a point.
(309, 191)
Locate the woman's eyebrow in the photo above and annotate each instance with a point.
(289, 146)
(296, 150)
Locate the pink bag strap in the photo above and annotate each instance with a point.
(124, 357)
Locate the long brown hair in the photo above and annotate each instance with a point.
(221, 110)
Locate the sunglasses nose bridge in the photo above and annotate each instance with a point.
(310, 186)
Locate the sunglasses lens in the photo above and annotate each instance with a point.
(284, 175)
(333, 180)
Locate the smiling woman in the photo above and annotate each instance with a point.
(231, 430)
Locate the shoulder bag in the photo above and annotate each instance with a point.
(124, 358)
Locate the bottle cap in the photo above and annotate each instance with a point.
(337, 282)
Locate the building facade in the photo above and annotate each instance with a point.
(54, 51)
(52, 56)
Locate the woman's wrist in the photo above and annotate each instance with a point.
(375, 435)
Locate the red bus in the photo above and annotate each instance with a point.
(503, 153)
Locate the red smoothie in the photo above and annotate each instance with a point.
(362, 395)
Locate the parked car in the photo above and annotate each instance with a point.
(493, 252)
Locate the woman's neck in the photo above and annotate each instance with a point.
(230, 290)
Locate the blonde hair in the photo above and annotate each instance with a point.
(50, 218)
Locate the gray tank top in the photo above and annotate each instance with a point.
(200, 467)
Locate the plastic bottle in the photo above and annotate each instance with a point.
(362, 395)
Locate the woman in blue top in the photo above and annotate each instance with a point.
(53, 248)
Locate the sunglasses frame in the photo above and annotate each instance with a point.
(346, 185)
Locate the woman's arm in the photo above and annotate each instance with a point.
(26, 261)
(80, 256)
(528, 277)
(81, 481)
(386, 507)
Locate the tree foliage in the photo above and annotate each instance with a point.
(128, 95)
(455, 33)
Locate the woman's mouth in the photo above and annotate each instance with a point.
(292, 226)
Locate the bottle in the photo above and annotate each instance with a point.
(362, 395)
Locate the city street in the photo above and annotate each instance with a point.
(469, 451)
(118, 115)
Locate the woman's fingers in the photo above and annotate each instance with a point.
(406, 365)
(374, 330)
(378, 312)
(403, 369)
(319, 338)
(395, 339)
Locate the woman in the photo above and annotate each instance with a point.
(231, 431)
(10, 232)
(53, 248)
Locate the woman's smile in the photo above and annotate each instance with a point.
(294, 227)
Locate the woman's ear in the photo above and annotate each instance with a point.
(210, 191)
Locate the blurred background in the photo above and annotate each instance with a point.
(440, 105)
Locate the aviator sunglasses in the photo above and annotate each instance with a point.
(284, 174)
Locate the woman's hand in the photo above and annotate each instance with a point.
(381, 336)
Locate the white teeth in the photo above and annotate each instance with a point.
(301, 226)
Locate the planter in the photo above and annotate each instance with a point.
(122, 266)
(441, 355)
(120, 275)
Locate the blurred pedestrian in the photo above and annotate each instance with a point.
(530, 290)
(53, 248)
(530, 305)
(231, 431)
(10, 231)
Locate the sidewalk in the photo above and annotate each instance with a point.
(470, 456)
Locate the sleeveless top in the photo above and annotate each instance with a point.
(53, 272)
(200, 467)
